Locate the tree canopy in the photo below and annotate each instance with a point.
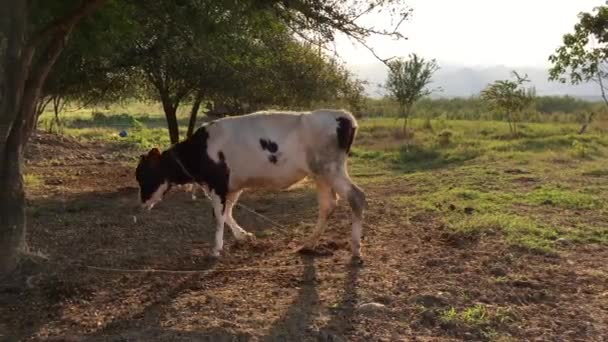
(583, 56)
(511, 97)
(246, 54)
(408, 80)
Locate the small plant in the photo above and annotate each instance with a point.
(472, 316)
(475, 315)
(53, 126)
(511, 98)
(98, 116)
(31, 180)
(427, 125)
(407, 83)
(444, 138)
(441, 122)
(580, 149)
(449, 316)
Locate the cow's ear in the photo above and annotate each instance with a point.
(154, 152)
(142, 157)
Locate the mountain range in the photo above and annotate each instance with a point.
(464, 81)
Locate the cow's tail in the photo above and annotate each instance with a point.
(346, 130)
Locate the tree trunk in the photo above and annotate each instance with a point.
(171, 116)
(406, 116)
(57, 107)
(510, 121)
(12, 203)
(586, 124)
(23, 81)
(40, 107)
(194, 113)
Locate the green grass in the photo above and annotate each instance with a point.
(596, 173)
(563, 198)
(32, 181)
(466, 185)
(518, 230)
(475, 315)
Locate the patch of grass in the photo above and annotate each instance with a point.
(596, 173)
(32, 181)
(475, 315)
(137, 138)
(459, 198)
(472, 316)
(518, 230)
(263, 234)
(367, 154)
(420, 157)
(543, 143)
(563, 198)
(586, 234)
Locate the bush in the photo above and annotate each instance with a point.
(426, 124)
(444, 138)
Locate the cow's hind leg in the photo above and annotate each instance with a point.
(357, 202)
(219, 212)
(239, 233)
(327, 199)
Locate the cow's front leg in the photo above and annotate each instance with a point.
(219, 206)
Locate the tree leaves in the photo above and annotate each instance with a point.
(408, 78)
(583, 57)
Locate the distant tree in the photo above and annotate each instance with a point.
(583, 57)
(407, 82)
(511, 98)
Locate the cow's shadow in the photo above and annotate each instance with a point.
(299, 324)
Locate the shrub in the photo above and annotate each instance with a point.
(444, 137)
(426, 125)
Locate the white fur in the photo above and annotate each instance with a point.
(156, 197)
(307, 146)
(297, 135)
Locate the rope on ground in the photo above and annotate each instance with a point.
(203, 272)
(282, 229)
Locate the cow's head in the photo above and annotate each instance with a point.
(151, 177)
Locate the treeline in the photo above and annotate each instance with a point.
(543, 109)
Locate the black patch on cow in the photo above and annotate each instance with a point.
(149, 175)
(269, 145)
(272, 158)
(346, 133)
(199, 167)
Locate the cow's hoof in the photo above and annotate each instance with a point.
(356, 260)
(309, 249)
(247, 237)
(216, 253)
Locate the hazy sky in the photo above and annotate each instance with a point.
(477, 32)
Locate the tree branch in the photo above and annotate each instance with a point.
(65, 23)
(58, 32)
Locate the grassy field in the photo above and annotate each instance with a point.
(471, 235)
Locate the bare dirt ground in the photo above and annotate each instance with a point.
(81, 215)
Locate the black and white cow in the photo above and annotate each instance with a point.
(261, 150)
